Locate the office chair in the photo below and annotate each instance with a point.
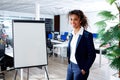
(49, 52)
(49, 47)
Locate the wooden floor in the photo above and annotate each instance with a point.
(57, 71)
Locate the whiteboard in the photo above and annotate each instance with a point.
(29, 43)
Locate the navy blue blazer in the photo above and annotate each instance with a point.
(85, 51)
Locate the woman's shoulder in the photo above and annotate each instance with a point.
(87, 33)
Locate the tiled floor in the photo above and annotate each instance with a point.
(57, 71)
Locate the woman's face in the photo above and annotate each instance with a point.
(74, 21)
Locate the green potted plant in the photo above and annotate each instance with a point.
(111, 35)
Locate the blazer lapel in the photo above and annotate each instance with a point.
(70, 40)
(79, 38)
(69, 43)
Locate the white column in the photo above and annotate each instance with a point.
(37, 11)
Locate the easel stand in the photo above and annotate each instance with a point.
(2, 76)
(21, 71)
(46, 72)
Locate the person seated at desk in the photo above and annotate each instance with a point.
(5, 60)
(2, 48)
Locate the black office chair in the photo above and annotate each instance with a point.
(49, 47)
(98, 51)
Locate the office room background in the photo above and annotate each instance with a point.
(7, 16)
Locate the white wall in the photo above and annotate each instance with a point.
(7, 16)
(19, 14)
(92, 18)
(64, 24)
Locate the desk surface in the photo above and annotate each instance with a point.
(97, 46)
(56, 41)
(64, 44)
(9, 51)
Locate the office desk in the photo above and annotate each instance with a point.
(61, 49)
(7, 62)
(97, 47)
(9, 51)
(56, 41)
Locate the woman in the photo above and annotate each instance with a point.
(81, 51)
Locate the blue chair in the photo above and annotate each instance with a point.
(50, 36)
(95, 35)
(63, 37)
(65, 33)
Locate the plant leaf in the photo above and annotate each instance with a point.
(117, 51)
(101, 24)
(116, 32)
(115, 63)
(110, 56)
(110, 34)
(110, 1)
(107, 15)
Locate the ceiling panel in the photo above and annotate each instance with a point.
(53, 7)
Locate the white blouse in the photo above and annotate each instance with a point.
(73, 44)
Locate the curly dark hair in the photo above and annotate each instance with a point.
(80, 14)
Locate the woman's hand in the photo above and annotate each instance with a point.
(83, 72)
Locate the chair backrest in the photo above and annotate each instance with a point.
(2, 50)
(49, 44)
(63, 37)
(66, 33)
(50, 36)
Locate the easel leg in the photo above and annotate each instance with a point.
(28, 74)
(16, 71)
(46, 72)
